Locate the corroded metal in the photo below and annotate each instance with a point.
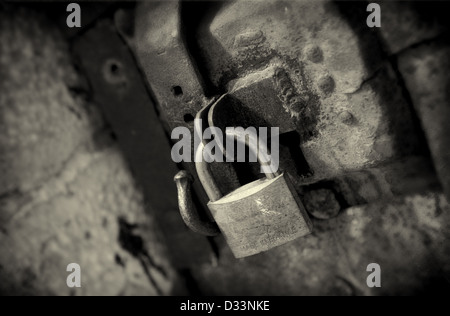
(188, 211)
(124, 99)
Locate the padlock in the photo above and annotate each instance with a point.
(258, 216)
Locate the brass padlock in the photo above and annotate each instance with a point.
(257, 216)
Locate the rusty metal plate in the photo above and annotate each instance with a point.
(122, 95)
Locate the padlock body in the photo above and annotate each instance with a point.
(261, 215)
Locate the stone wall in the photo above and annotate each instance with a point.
(66, 193)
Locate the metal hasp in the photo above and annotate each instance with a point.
(345, 120)
(290, 81)
(349, 101)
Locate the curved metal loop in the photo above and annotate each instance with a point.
(250, 139)
(187, 208)
(183, 179)
(204, 174)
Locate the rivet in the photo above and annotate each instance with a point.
(297, 104)
(313, 53)
(326, 84)
(346, 117)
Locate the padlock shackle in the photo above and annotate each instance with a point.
(204, 173)
(252, 142)
(205, 176)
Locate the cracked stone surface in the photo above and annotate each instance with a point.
(406, 236)
(66, 193)
(425, 70)
(406, 23)
(38, 108)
